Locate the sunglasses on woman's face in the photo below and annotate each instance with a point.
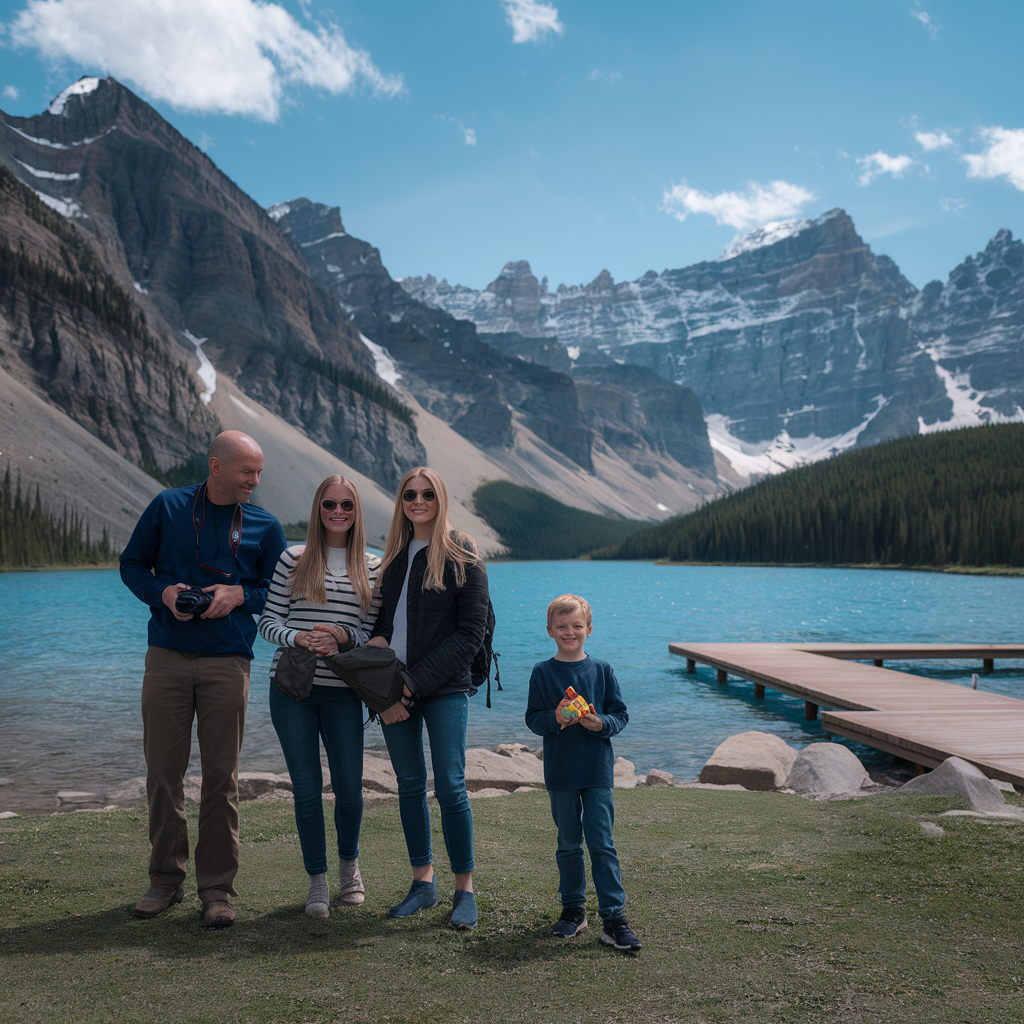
(329, 504)
(410, 496)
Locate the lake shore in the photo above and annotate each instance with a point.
(957, 570)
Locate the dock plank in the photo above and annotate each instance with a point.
(922, 720)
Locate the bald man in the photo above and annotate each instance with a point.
(205, 541)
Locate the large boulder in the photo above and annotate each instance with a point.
(625, 776)
(827, 770)
(755, 760)
(487, 770)
(959, 778)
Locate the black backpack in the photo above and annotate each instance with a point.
(480, 670)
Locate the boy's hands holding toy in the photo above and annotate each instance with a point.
(574, 708)
(563, 719)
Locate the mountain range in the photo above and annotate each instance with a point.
(799, 341)
(149, 302)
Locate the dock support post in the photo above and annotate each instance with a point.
(987, 665)
(879, 662)
(723, 676)
(810, 711)
(691, 666)
(759, 691)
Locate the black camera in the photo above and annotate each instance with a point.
(193, 601)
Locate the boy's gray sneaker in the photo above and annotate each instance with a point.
(619, 935)
(572, 922)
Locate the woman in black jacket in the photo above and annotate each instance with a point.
(433, 613)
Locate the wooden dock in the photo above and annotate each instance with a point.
(922, 720)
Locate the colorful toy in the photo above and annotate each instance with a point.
(577, 706)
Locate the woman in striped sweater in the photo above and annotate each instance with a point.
(323, 590)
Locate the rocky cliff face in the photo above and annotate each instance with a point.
(442, 360)
(478, 387)
(799, 341)
(69, 331)
(210, 268)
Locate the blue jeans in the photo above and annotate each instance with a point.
(336, 714)
(590, 812)
(445, 719)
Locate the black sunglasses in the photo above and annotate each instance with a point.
(329, 504)
(427, 495)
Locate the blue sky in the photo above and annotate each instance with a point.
(577, 134)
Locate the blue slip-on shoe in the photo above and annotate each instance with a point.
(619, 935)
(463, 911)
(422, 896)
(572, 922)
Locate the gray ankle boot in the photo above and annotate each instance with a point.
(350, 889)
(319, 894)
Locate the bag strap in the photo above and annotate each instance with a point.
(497, 675)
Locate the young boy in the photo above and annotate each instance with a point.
(578, 771)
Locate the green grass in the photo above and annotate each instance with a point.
(533, 525)
(752, 907)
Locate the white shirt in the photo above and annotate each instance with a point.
(399, 632)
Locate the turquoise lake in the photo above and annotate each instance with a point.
(72, 647)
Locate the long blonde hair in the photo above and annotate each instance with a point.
(309, 572)
(446, 543)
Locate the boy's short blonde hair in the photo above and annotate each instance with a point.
(569, 603)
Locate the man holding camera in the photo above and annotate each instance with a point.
(202, 558)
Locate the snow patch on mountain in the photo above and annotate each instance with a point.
(278, 210)
(66, 207)
(207, 374)
(769, 234)
(968, 408)
(51, 175)
(767, 458)
(59, 145)
(82, 87)
(382, 362)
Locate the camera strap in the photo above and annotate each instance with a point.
(234, 537)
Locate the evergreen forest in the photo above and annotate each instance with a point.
(948, 499)
(32, 536)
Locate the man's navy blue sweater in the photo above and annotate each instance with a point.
(574, 757)
(162, 552)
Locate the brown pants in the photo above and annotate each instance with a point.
(179, 687)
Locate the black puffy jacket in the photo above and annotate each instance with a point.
(445, 628)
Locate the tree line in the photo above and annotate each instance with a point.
(954, 498)
(32, 535)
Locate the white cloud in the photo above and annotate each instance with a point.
(468, 134)
(1003, 156)
(598, 75)
(881, 163)
(926, 19)
(210, 56)
(531, 21)
(750, 209)
(11, 92)
(931, 140)
(952, 205)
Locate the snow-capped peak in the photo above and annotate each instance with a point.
(82, 87)
(769, 234)
(278, 210)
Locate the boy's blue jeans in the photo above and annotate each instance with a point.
(335, 713)
(589, 812)
(446, 719)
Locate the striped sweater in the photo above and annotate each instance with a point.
(284, 617)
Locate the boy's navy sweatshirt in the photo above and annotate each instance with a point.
(574, 757)
(163, 551)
